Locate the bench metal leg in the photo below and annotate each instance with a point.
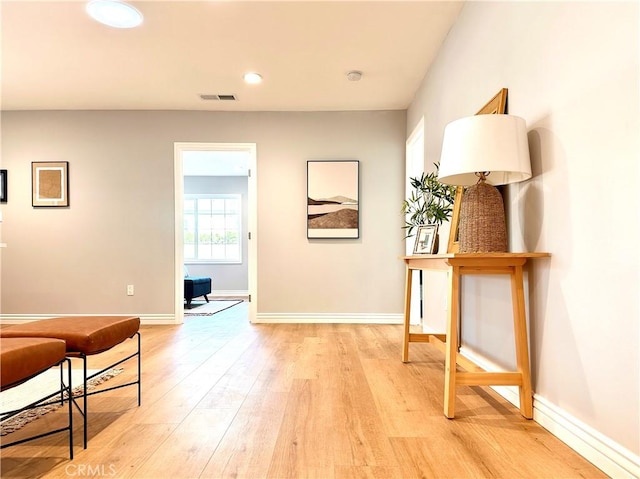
(64, 388)
(84, 410)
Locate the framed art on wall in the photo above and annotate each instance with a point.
(333, 199)
(3, 186)
(50, 183)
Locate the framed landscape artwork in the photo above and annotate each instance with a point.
(333, 199)
(50, 183)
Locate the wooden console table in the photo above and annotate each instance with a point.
(458, 264)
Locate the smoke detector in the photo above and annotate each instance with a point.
(354, 75)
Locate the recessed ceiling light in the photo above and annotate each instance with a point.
(114, 13)
(252, 77)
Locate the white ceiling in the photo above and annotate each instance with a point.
(55, 57)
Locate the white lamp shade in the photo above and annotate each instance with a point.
(485, 143)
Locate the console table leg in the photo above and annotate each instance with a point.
(407, 314)
(451, 350)
(522, 342)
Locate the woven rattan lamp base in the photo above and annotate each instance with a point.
(482, 223)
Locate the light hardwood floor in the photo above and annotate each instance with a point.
(222, 398)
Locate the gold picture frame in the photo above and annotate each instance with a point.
(50, 183)
(496, 106)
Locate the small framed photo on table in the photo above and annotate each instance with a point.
(426, 239)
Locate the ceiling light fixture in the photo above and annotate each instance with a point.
(354, 75)
(114, 13)
(252, 77)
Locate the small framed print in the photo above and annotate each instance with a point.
(426, 239)
(3, 186)
(50, 183)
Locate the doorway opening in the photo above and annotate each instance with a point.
(202, 162)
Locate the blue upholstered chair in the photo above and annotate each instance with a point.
(195, 286)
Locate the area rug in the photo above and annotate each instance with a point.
(39, 387)
(210, 308)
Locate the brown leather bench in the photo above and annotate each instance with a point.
(24, 358)
(85, 336)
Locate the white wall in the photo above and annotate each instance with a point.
(119, 228)
(572, 73)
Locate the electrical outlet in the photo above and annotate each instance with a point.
(129, 290)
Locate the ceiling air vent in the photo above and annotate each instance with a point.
(218, 97)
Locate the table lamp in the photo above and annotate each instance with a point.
(479, 152)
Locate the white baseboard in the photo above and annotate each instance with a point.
(609, 456)
(156, 319)
(604, 453)
(221, 293)
(326, 318)
(144, 318)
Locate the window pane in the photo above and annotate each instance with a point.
(204, 221)
(217, 222)
(233, 206)
(204, 204)
(189, 235)
(212, 227)
(217, 251)
(217, 206)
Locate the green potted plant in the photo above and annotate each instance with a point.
(430, 202)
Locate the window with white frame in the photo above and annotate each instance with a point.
(212, 228)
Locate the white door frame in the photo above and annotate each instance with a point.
(414, 165)
(252, 234)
